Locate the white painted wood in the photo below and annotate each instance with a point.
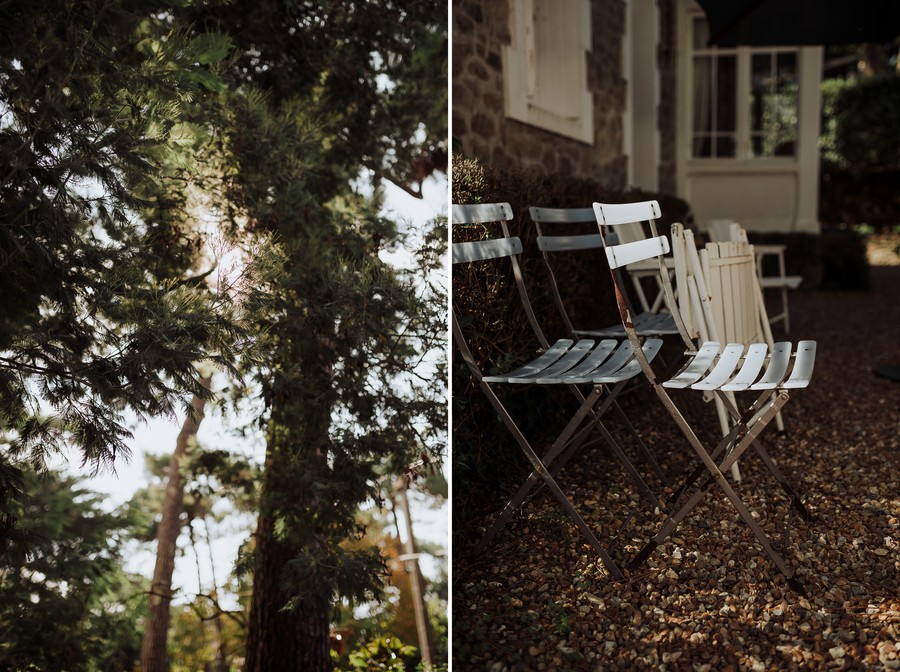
(650, 348)
(585, 374)
(615, 214)
(641, 71)
(562, 215)
(778, 363)
(537, 365)
(803, 365)
(545, 67)
(575, 354)
(586, 241)
(753, 363)
(723, 369)
(590, 363)
(481, 213)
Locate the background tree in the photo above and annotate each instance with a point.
(93, 102)
(154, 657)
(331, 93)
(219, 491)
(65, 603)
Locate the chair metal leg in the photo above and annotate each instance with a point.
(748, 433)
(563, 448)
(540, 466)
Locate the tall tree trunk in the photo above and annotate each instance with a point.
(221, 664)
(279, 640)
(153, 648)
(416, 580)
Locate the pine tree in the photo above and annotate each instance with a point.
(153, 650)
(97, 319)
(65, 603)
(326, 93)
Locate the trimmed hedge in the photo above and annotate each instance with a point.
(867, 115)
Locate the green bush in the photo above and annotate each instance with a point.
(486, 460)
(830, 89)
(866, 117)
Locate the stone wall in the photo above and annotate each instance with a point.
(480, 127)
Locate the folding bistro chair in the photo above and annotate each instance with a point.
(712, 368)
(723, 230)
(720, 300)
(550, 240)
(604, 366)
(554, 236)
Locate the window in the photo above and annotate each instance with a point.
(722, 78)
(773, 103)
(545, 66)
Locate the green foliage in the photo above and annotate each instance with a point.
(866, 115)
(326, 93)
(200, 635)
(95, 98)
(381, 653)
(860, 152)
(376, 70)
(125, 126)
(64, 602)
(830, 90)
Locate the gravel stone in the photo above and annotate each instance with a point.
(708, 598)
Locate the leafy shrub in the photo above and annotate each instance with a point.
(866, 117)
(830, 90)
(860, 152)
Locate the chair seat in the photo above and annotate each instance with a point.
(580, 362)
(711, 369)
(646, 324)
(777, 281)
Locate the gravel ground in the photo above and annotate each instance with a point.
(709, 599)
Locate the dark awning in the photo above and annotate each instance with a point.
(775, 23)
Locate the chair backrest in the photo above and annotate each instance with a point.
(719, 297)
(505, 246)
(730, 271)
(548, 240)
(553, 235)
(612, 216)
(721, 230)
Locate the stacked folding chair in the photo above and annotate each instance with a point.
(714, 368)
(723, 230)
(721, 300)
(594, 371)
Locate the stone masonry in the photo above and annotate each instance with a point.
(481, 129)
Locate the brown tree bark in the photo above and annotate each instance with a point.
(154, 656)
(279, 640)
(416, 580)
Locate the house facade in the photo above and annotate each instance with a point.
(628, 93)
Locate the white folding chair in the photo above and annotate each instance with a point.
(720, 299)
(555, 236)
(716, 369)
(602, 367)
(725, 230)
(557, 233)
